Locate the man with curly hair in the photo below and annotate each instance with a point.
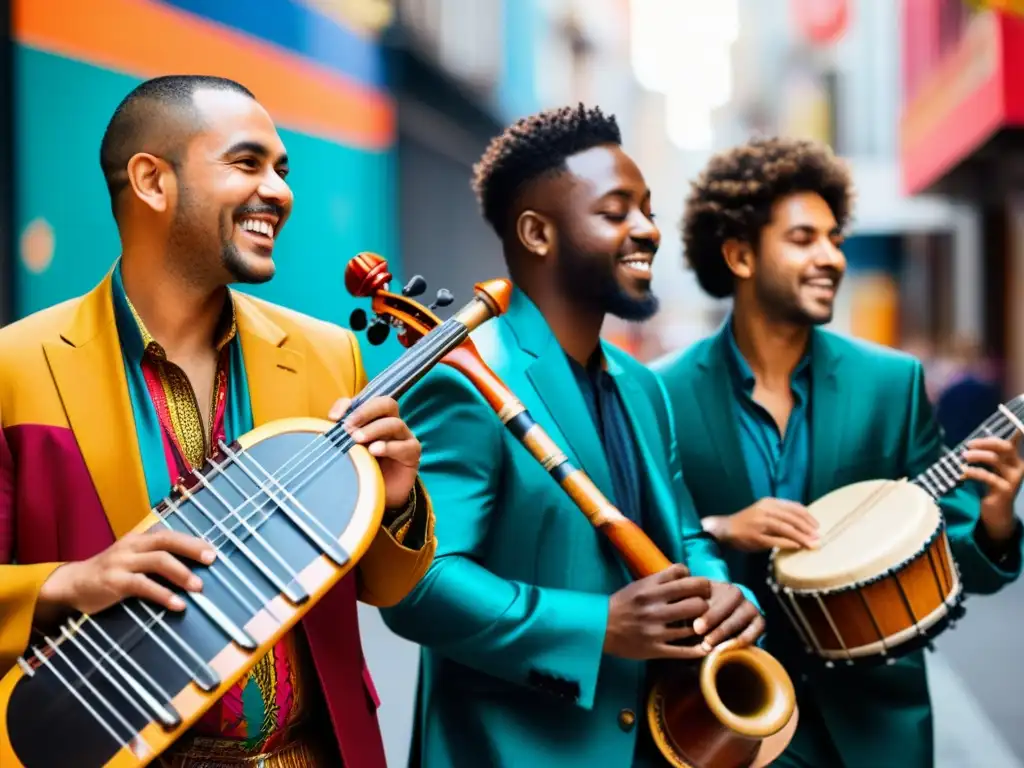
(535, 640)
(777, 412)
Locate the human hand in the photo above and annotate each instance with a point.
(729, 614)
(766, 524)
(646, 617)
(377, 425)
(120, 571)
(1002, 474)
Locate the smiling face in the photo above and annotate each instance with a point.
(606, 237)
(799, 265)
(232, 199)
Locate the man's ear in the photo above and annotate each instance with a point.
(739, 257)
(152, 181)
(536, 232)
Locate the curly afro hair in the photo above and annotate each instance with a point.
(531, 147)
(733, 199)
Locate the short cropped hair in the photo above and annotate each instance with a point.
(733, 198)
(150, 119)
(533, 146)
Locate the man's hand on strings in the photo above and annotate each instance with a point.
(997, 464)
(377, 425)
(125, 569)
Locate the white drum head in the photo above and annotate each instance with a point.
(866, 528)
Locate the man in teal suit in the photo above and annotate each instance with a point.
(535, 641)
(773, 412)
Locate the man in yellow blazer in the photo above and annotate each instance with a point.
(108, 399)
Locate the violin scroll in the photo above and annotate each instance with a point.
(367, 276)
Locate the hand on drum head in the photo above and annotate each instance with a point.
(729, 614)
(649, 616)
(767, 524)
(1002, 471)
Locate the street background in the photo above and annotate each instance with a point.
(386, 104)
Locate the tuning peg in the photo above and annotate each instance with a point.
(444, 298)
(378, 333)
(357, 320)
(415, 286)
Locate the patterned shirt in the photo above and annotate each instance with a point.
(259, 714)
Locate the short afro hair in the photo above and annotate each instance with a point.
(733, 198)
(533, 146)
(150, 119)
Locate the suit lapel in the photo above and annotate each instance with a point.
(660, 517)
(715, 400)
(276, 372)
(88, 371)
(829, 415)
(556, 386)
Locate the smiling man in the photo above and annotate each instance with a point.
(536, 644)
(109, 399)
(778, 412)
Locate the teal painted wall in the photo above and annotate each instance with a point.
(344, 198)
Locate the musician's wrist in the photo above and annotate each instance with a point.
(999, 528)
(55, 595)
(717, 526)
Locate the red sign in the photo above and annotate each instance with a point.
(968, 95)
(821, 21)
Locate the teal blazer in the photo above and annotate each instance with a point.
(512, 613)
(870, 418)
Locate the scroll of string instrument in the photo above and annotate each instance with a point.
(737, 708)
(290, 508)
(883, 581)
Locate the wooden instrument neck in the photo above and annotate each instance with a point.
(947, 473)
(641, 555)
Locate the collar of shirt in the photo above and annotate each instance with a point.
(594, 371)
(137, 340)
(743, 375)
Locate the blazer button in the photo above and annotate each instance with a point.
(627, 719)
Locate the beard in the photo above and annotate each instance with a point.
(592, 281)
(197, 253)
(234, 262)
(782, 302)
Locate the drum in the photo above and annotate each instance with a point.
(881, 583)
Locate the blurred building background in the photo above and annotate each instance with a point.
(385, 106)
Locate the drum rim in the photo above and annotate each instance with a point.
(940, 530)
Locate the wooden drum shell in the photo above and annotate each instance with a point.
(875, 617)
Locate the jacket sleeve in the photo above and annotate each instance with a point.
(511, 630)
(961, 508)
(703, 556)
(404, 545)
(19, 584)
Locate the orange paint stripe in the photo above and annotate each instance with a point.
(145, 39)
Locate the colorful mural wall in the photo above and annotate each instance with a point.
(321, 77)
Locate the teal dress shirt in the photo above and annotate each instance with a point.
(778, 464)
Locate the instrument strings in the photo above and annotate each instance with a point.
(304, 465)
(945, 474)
(938, 482)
